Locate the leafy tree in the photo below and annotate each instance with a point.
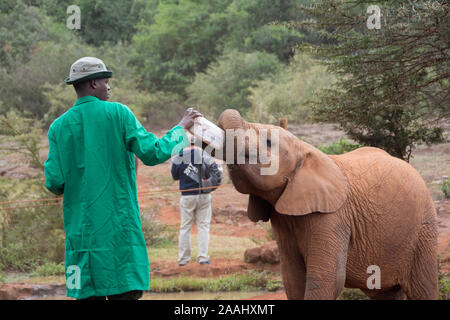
(21, 29)
(276, 39)
(227, 83)
(102, 21)
(107, 20)
(285, 95)
(393, 82)
(33, 232)
(22, 84)
(182, 41)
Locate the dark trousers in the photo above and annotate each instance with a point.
(130, 295)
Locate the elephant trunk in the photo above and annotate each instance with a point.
(231, 119)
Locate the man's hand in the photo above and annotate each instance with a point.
(188, 119)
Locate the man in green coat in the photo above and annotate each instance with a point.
(91, 162)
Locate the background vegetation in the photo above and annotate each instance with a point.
(303, 60)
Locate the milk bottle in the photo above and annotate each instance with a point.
(208, 132)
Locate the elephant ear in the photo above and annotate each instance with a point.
(318, 185)
(258, 209)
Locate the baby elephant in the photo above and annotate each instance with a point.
(363, 219)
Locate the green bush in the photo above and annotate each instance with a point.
(352, 294)
(252, 280)
(33, 233)
(49, 269)
(444, 288)
(29, 236)
(227, 83)
(156, 234)
(339, 147)
(285, 95)
(445, 188)
(276, 39)
(182, 39)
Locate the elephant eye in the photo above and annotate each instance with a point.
(269, 143)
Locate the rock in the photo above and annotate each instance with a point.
(266, 253)
(229, 214)
(269, 253)
(15, 291)
(252, 255)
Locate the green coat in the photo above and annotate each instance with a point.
(91, 161)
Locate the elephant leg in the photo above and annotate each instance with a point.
(422, 284)
(294, 275)
(293, 268)
(326, 269)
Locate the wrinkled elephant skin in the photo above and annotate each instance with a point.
(335, 217)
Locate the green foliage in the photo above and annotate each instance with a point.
(22, 136)
(276, 39)
(392, 84)
(49, 269)
(249, 18)
(21, 30)
(444, 279)
(182, 41)
(339, 147)
(102, 21)
(60, 98)
(227, 82)
(285, 95)
(108, 20)
(156, 234)
(251, 280)
(444, 288)
(31, 234)
(23, 86)
(445, 188)
(352, 294)
(258, 26)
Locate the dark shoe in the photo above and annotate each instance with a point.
(181, 264)
(205, 262)
(130, 295)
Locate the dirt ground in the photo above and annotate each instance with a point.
(436, 157)
(156, 189)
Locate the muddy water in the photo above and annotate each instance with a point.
(193, 295)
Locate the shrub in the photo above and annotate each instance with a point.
(155, 233)
(339, 147)
(352, 294)
(33, 233)
(276, 39)
(445, 187)
(391, 85)
(227, 83)
(285, 95)
(252, 280)
(444, 288)
(49, 269)
(29, 236)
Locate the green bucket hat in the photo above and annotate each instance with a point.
(87, 68)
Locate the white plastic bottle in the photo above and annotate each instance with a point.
(208, 132)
